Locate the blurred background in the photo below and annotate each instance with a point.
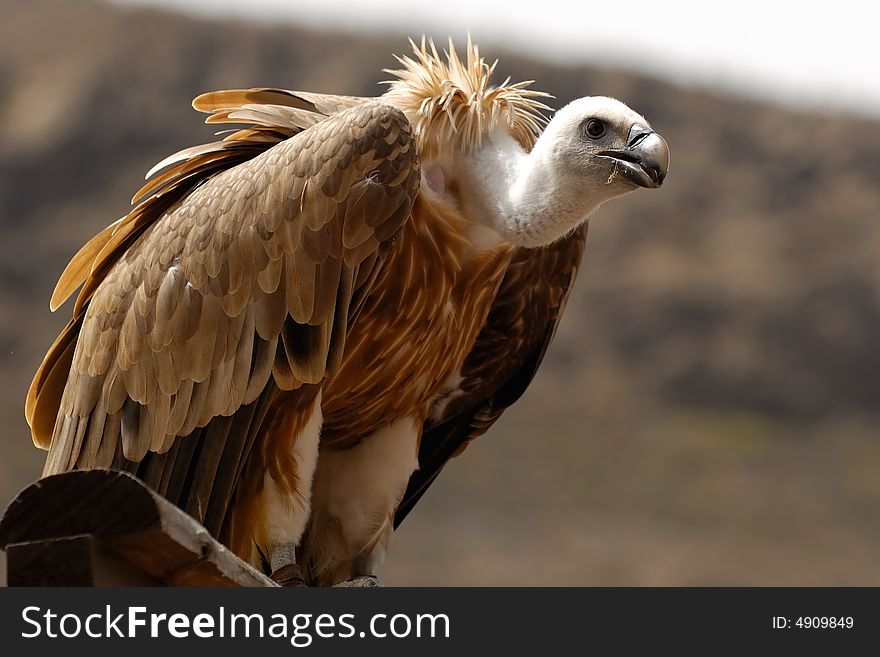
(708, 414)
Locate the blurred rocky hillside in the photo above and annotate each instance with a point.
(709, 412)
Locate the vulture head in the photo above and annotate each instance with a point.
(592, 150)
(605, 144)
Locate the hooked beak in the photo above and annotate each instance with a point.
(645, 160)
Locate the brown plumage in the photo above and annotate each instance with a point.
(504, 357)
(293, 278)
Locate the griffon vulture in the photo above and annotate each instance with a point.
(297, 326)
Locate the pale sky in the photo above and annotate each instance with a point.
(800, 53)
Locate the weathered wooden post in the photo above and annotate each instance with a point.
(106, 528)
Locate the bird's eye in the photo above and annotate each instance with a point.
(595, 128)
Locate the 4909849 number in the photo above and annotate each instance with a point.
(824, 622)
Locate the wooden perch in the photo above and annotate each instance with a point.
(106, 528)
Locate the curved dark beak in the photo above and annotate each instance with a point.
(645, 160)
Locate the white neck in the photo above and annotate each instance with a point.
(527, 198)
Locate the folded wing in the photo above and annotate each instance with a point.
(242, 269)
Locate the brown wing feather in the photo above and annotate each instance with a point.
(504, 358)
(80, 266)
(327, 104)
(164, 310)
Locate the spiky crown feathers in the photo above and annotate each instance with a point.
(452, 105)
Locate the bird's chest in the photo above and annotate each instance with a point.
(413, 334)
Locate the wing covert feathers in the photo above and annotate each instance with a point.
(186, 313)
